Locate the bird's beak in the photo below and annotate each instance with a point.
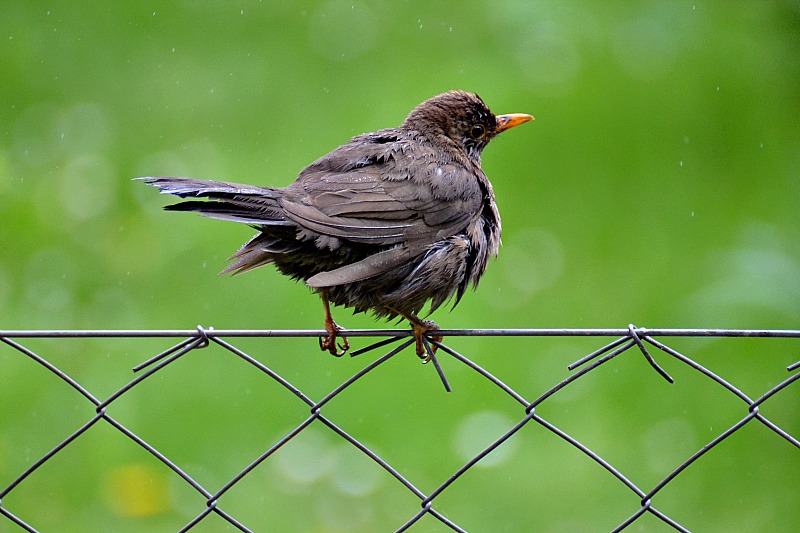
(505, 122)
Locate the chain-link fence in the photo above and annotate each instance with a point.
(642, 500)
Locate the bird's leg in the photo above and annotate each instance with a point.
(420, 328)
(334, 330)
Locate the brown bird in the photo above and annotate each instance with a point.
(385, 223)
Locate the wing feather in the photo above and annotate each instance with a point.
(366, 268)
(368, 193)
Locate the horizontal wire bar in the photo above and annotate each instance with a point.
(195, 338)
(545, 332)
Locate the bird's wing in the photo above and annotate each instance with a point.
(406, 200)
(383, 195)
(366, 268)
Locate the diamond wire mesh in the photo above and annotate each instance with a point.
(632, 338)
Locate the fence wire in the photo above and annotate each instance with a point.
(643, 340)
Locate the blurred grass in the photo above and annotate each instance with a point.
(659, 185)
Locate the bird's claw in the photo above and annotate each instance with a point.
(334, 330)
(420, 328)
(329, 343)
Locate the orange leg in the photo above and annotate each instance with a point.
(334, 330)
(420, 328)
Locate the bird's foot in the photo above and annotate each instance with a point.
(420, 328)
(329, 343)
(334, 330)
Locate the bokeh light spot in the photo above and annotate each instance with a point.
(479, 430)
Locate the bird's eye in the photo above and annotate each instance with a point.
(477, 131)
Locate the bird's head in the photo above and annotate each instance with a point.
(464, 118)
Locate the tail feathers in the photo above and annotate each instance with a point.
(247, 262)
(229, 201)
(236, 211)
(184, 187)
(258, 251)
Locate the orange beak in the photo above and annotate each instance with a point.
(505, 122)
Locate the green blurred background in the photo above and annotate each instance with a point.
(660, 185)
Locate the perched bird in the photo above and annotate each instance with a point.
(385, 223)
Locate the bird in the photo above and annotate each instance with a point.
(389, 222)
